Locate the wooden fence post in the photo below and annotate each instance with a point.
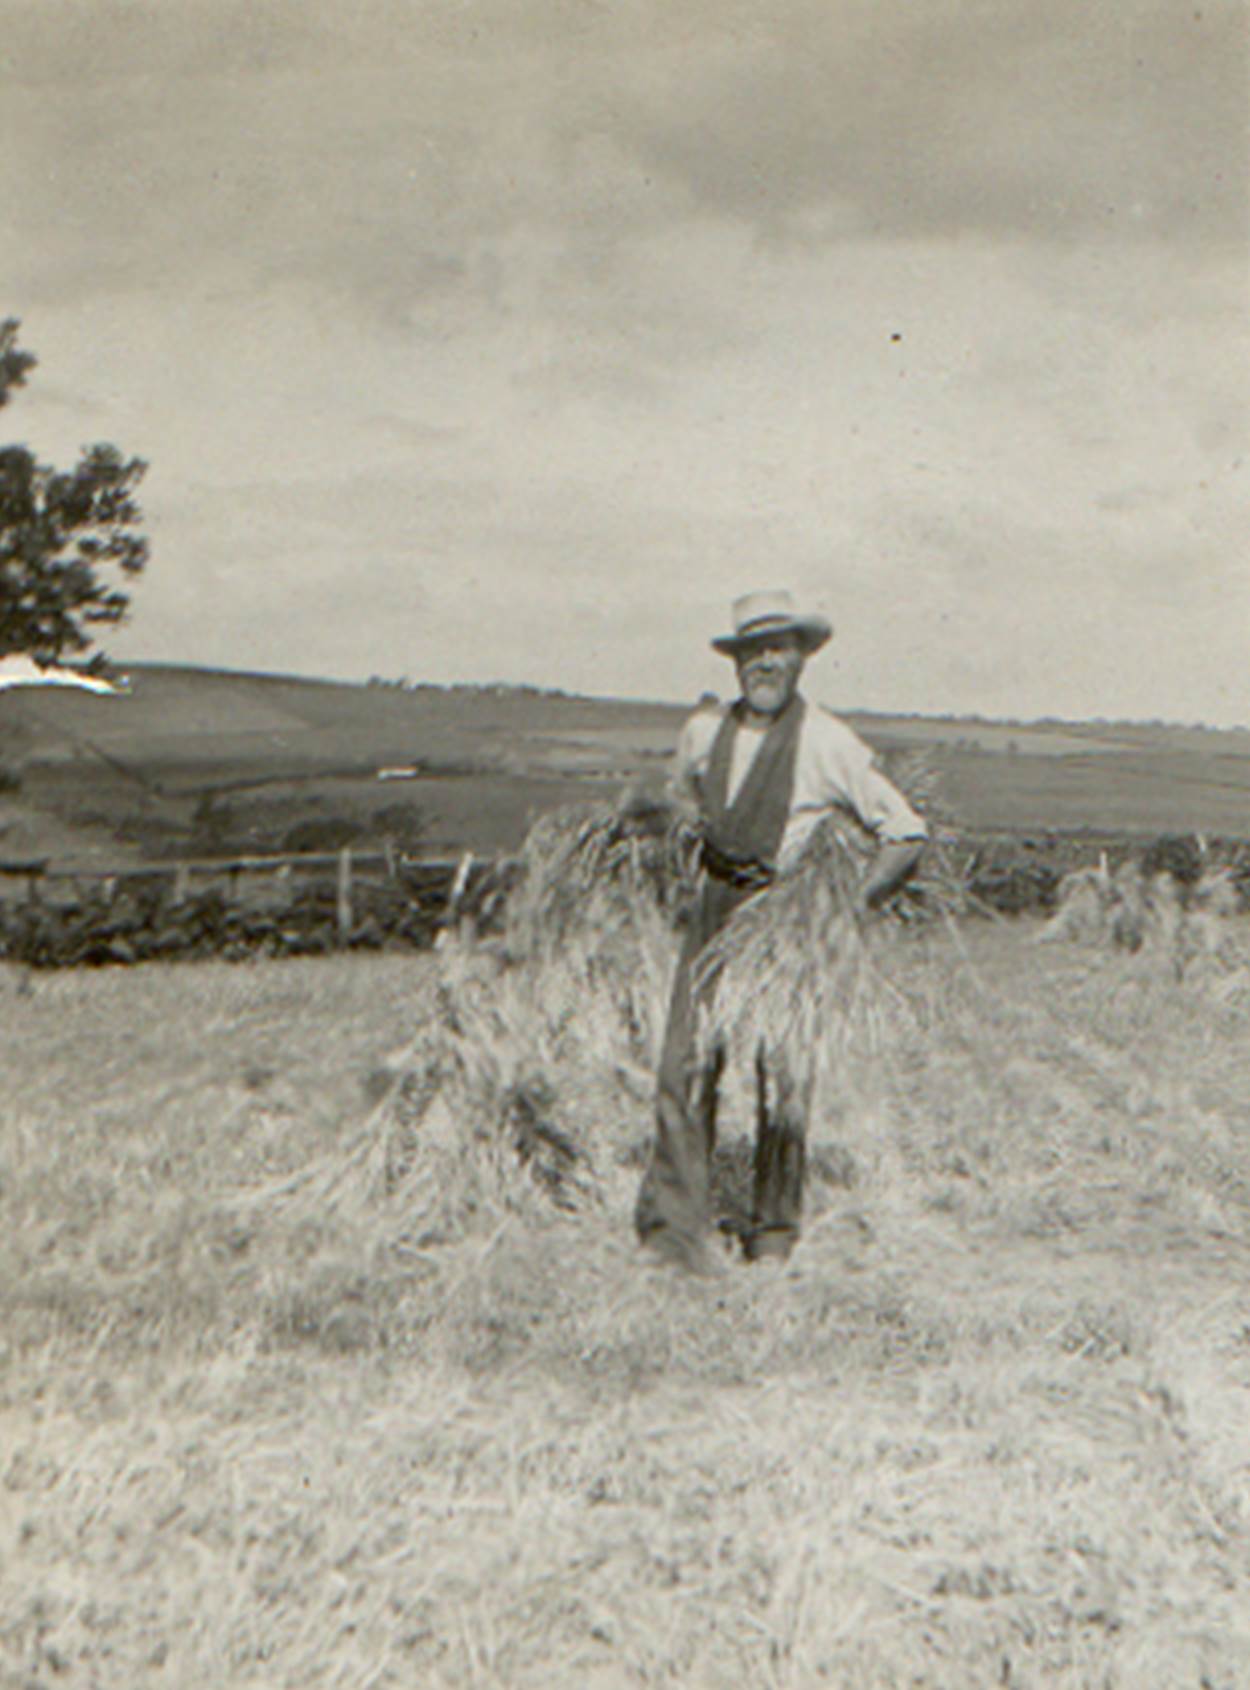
(182, 883)
(451, 921)
(459, 885)
(343, 900)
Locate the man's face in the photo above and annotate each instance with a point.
(768, 672)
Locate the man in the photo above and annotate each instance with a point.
(760, 775)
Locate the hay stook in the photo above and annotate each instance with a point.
(794, 968)
(1142, 908)
(544, 1045)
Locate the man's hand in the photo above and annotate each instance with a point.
(893, 864)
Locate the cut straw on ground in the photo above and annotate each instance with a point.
(328, 1357)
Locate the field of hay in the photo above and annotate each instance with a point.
(327, 1357)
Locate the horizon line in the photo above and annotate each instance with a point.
(407, 684)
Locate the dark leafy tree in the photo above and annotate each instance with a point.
(14, 363)
(69, 539)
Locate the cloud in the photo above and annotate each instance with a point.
(585, 317)
(1056, 121)
(390, 148)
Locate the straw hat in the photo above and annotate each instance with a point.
(758, 614)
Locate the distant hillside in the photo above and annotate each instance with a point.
(186, 714)
(188, 760)
(172, 715)
(142, 767)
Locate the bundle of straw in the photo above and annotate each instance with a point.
(580, 859)
(543, 1037)
(1131, 909)
(543, 1049)
(791, 969)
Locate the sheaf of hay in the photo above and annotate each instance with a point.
(557, 1023)
(535, 1076)
(584, 866)
(794, 968)
(590, 933)
(531, 1080)
(1150, 914)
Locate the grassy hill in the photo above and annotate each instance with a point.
(191, 759)
(195, 719)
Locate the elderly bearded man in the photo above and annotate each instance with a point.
(760, 776)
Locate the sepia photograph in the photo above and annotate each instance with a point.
(624, 845)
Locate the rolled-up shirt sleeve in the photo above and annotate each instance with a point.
(884, 810)
(837, 770)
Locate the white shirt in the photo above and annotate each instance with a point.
(833, 771)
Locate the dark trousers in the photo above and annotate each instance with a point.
(673, 1209)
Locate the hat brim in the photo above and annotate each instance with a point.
(812, 631)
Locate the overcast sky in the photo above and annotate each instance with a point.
(513, 338)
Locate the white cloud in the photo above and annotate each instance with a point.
(519, 353)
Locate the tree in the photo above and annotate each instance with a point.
(14, 363)
(68, 538)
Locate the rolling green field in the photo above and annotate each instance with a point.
(191, 760)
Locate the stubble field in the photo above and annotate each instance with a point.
(322, 1367)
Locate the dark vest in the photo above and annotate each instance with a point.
(742, 839)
